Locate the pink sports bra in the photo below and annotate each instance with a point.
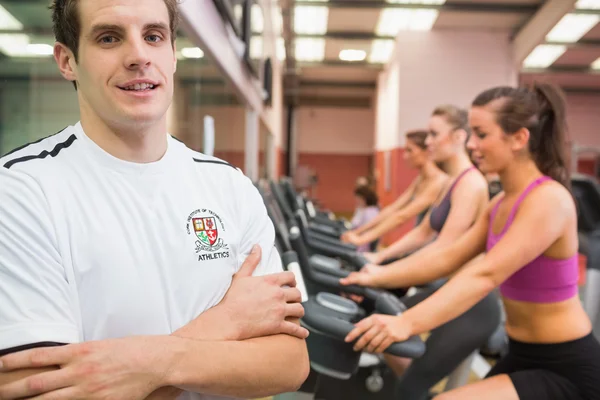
(543, 280)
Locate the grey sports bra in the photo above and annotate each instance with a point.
(439, 213)
(423, 213)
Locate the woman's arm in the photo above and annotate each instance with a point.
(540, 221)
(530, 235)
(413, 240)
(466, 200)
(390, 209)
(427, 264)
(419, 204)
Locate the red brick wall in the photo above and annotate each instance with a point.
(337, 175)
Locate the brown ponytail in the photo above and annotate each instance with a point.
(540, 109)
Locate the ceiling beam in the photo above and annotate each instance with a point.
(340, 63)
(591, 44)
(338, 84)
(334, 101)
(536, 29)
(346, 35)
(562, 69)
(497, 7)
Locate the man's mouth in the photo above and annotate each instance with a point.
(139, 87)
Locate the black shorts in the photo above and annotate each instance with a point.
(562, 371)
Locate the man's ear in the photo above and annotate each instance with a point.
(65, 59)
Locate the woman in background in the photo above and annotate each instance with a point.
(416, 199)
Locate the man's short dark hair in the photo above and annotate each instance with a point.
(67, 27)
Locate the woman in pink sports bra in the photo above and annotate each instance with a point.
(529, 237)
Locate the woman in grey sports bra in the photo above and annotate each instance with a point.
(414, 202)
(458, 206)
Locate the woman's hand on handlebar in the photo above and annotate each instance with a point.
(365, 277)
(350, 237)
(373, 258)
(377, 332)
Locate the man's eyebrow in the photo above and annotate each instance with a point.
(105, 27)
(156, 25)
(117, 28)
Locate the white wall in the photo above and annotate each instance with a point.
(335, 130)
(387, 105)
(583, 118)
(434, 68)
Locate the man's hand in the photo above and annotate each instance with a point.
(129, 368)
(254, 306)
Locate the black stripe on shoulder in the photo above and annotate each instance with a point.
(29, 347)
(179, 140)
(67, 143)
(29, 144)
(214, 162)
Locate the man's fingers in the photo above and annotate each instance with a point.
(292, 295)
(62, 394)
(366, 338)
(37, 358)
(294, 310)
(250, 263)
(37, 384)
(293, 329)
(284, 279)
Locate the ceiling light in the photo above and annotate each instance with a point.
(381, 51)
(544, 55)
(423, 2)
(257, 18)
(8, 22)
(256, 47)
(280, 48)
(352, 55)
(393, 20)
(278, 21)
(17, 45)
(596, 64)
(308, 49)
(572, 27)
(192, 52)
(40, 49)
(311, 20)
(588, 5)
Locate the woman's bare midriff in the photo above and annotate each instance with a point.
(546, 322)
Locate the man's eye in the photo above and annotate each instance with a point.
(154, 38)
(108, 39)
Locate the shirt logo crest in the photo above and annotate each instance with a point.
(205, 225)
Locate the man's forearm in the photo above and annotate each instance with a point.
(251, 368)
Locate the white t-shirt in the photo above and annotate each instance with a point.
(93, 247)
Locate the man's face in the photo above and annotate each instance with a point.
(126, 62)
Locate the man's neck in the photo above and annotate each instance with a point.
(141, 144)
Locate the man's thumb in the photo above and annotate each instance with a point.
(251, 262)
